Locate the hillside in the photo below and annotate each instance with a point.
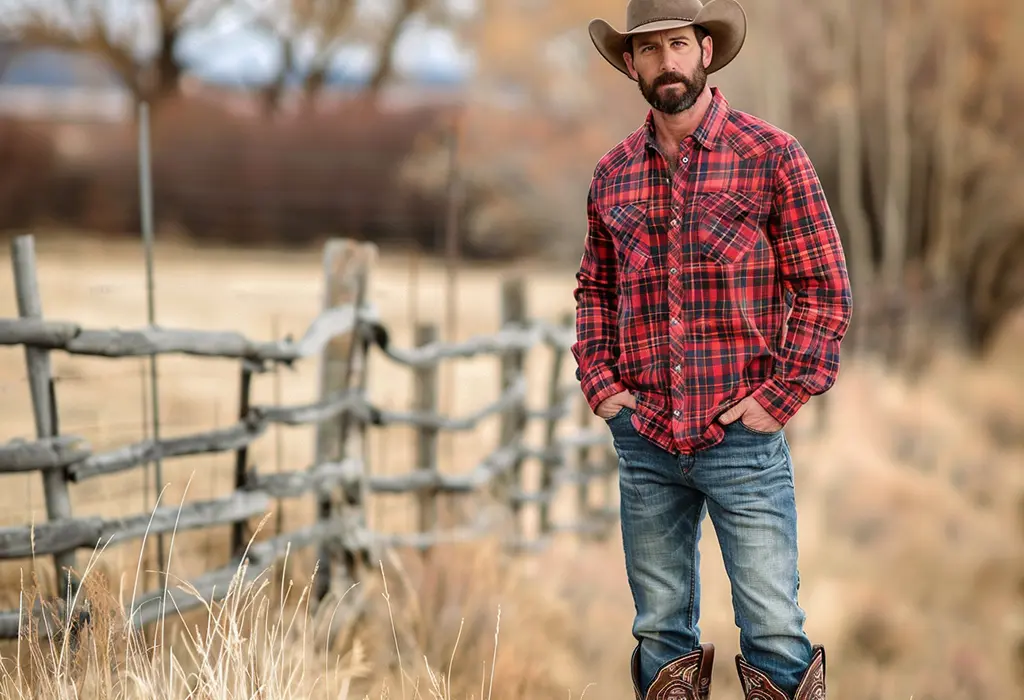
(911, 510)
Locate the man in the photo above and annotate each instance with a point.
(712, 297)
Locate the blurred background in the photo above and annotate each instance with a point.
(460, 137)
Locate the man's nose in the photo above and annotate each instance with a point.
(668, 63)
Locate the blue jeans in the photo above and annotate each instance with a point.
(745, 484)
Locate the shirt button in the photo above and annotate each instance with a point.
(673, 271)
(674, 322)
(675, 412)
(678, 367)
(675, 222)
(685, 159)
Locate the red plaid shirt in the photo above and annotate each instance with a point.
(722, 280)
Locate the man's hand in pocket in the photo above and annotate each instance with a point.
(752, 414)
(614, 403)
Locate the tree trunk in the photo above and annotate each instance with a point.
(386, 61)
(850, 166)
(946, 195)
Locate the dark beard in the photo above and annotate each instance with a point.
(687, 90)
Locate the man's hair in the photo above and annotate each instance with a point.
(698, 31)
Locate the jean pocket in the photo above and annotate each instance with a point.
(621, 413)
(755, 431)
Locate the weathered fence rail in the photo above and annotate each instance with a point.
(344, 336)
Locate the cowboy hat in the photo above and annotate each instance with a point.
(724, 20)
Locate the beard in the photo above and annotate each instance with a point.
(683, 94)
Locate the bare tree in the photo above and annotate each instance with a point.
(322, 26)
(137, 40)
(312, 32)
(924, 164)
(540, 109)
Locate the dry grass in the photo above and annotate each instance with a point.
(267, 640)
(911, 508)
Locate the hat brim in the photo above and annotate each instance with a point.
(724, 20)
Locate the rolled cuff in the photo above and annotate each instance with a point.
(598, 386)
(781, 400)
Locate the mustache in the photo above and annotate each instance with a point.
(669, 79)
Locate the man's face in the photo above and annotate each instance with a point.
(669, 67)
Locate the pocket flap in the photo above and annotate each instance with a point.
(730, 224)
(731, 205)
(624, 219)
(627, 224)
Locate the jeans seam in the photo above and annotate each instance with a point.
(693, 569)
(623, 465)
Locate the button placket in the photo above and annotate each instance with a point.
(678, 336)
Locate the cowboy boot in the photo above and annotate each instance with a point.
(757, 686)
(634, 668)
(685, 678)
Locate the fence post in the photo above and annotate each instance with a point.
(552, 462)
(426, 400)
(583, 467)
(239, 529)
(58, 500)
(346, 269)
(513, 421)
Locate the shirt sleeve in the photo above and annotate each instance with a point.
(813, 269)
(596, 345)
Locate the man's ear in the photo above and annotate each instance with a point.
(707, 50)
(628, 58)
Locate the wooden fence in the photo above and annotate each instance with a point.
(345, 336)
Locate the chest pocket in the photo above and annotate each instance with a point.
(627, 224)
(729, 226)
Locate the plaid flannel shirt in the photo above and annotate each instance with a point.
(699, 287)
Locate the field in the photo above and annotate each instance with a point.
(912, 499)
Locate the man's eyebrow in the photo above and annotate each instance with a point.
(671, 37)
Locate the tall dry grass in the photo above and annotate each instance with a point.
(265, 639)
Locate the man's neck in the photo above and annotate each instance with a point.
(671, 129)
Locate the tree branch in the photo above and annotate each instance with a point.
(386, 49)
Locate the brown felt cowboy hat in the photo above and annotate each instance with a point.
(724, 20)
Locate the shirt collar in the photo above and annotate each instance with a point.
(707, 132)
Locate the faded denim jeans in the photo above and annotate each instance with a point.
(745, 484)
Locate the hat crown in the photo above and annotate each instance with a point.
(724, 20)
(640, 12)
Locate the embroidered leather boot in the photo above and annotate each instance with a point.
(757, 686)
(685, 678)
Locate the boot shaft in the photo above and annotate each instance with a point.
(757, 686)
(685, 678)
